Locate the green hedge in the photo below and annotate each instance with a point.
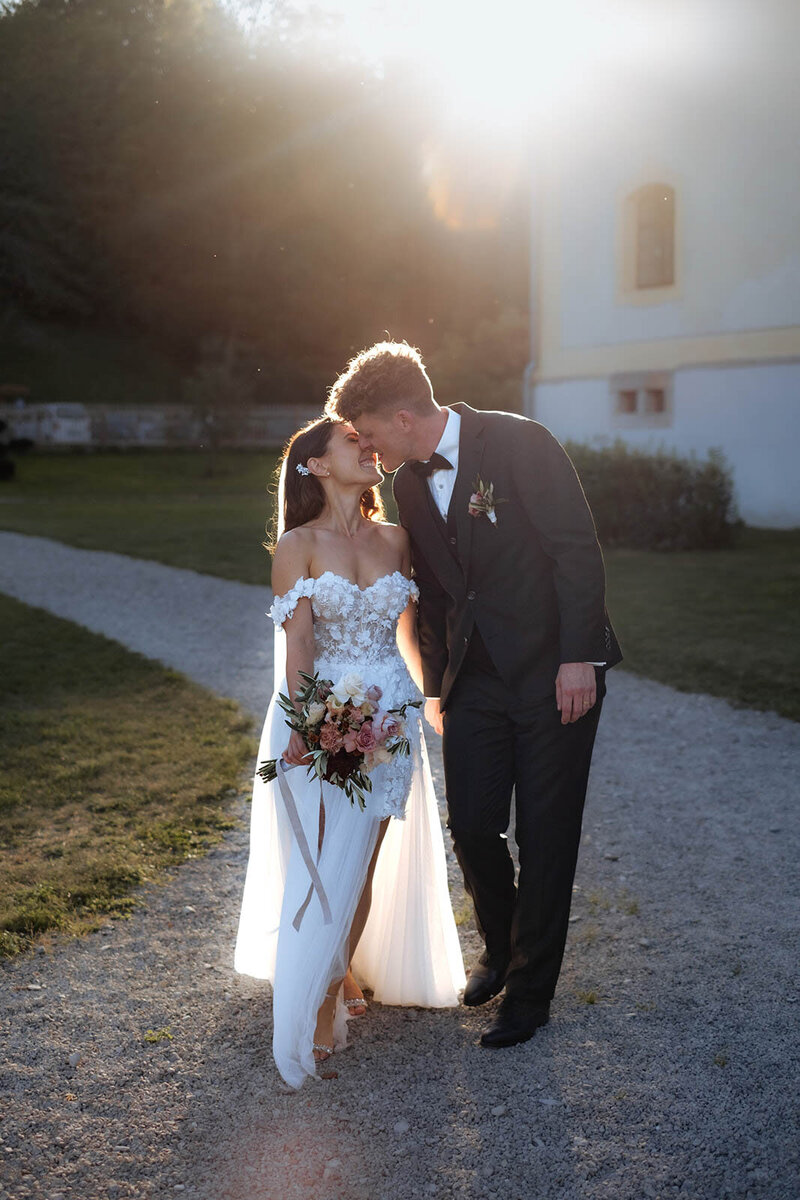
(657, 501)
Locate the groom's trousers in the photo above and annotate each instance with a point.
(494, 745)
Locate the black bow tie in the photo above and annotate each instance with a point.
(437, 462)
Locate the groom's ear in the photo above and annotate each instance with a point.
(404, 419)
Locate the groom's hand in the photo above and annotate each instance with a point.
(433, 714)
(576, 691)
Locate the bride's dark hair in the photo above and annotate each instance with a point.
(303, 495)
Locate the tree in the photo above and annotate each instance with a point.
(166, 178)
(220, 391)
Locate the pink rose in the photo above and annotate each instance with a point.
(386, 725)
(390, 725)
(354, 715)
(365, 741)
(350, 740)
(376, 726)
(330, 739)
(374, 693)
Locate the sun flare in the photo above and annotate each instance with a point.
(497, 81)
(498, 64)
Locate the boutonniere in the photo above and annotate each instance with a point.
(483, 500)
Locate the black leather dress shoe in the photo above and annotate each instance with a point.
(517, 1021)
(483, 983)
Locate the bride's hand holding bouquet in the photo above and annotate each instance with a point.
(341, 731)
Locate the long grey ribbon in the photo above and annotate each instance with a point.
(300, 838)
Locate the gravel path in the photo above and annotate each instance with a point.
(670, 1066)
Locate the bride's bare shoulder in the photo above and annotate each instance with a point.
(394, 535)
(396, 542)
(294, 541)
(292, 557)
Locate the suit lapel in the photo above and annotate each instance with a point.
(470, 455)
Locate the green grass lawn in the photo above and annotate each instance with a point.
(113, 768)
(719, 621)
(162, 506)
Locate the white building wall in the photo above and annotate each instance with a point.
(728, 144)
(751, 413)
(724, 133)
(738, 231)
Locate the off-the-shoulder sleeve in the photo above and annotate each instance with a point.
(283, 606)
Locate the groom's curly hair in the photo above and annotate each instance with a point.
(386, 377)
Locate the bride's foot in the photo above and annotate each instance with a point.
(322, 1045)
(354, 1000)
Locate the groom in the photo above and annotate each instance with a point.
(515, 641)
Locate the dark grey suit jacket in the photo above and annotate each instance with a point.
(533, 583)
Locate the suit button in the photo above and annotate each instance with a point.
(470, 595)
(466, 641)
(452, 541)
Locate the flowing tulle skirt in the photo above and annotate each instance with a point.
(409, 953)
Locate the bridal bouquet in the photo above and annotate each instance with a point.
(346, 731)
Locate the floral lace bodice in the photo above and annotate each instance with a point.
(355, 630)
(350, 622)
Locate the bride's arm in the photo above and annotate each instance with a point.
(407, 639)
(408, 642)
(290, 563)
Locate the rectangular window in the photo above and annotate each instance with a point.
(648, 242)
(655, 236)
(641, 400)
(655, 400)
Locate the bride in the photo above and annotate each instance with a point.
(329, 885)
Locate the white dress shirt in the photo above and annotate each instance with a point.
(442, 482)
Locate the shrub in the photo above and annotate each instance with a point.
(657, 501)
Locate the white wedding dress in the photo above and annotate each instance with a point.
(409, 952)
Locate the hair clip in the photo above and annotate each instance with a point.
(301, 470)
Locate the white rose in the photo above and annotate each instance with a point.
(316, 712)
(350, 687)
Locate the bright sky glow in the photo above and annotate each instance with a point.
(499, 66)
(498, 61)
